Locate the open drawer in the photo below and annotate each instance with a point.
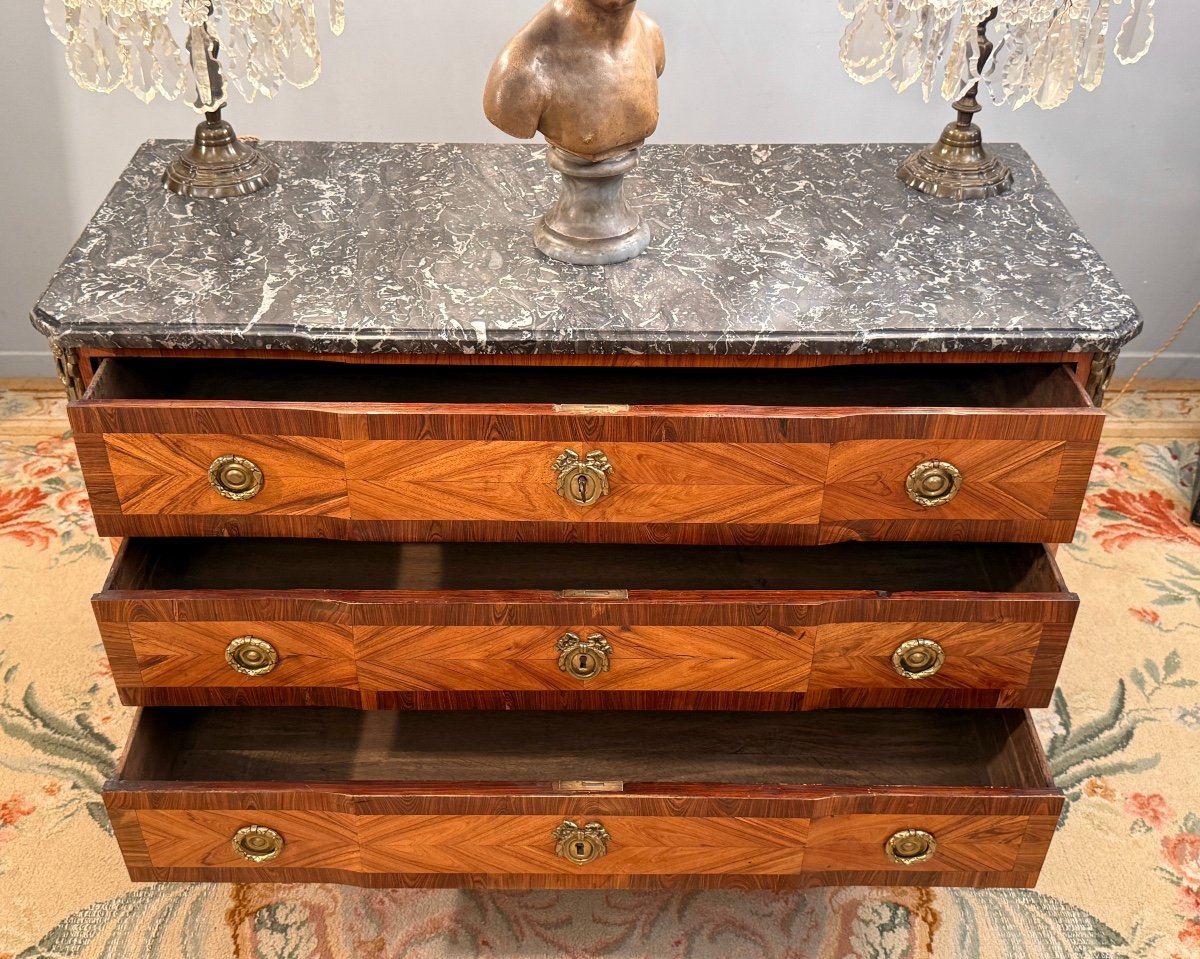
(619, 800)
(199, 447)
(558, 626)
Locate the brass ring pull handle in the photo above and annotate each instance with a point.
(910, 847)
(582, 480)
(235, 477)
(918, 658)
(257, 843)
(581, 844)
(933, 483)
(251, 656)
(584, 659)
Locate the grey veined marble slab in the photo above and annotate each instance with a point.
(426, 249)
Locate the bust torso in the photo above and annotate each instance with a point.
(582, 73)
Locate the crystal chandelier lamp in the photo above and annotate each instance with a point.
(199, 49)
(1046, 50)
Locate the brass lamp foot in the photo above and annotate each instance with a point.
(218, 165)
(957, 167)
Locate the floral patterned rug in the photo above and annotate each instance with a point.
(1123, 878)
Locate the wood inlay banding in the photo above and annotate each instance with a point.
(378, 799)
(700, 455)
(801, 629)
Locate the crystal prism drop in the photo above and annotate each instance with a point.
(264, 65)
(297, 63)
(961, 66)
(1058, 78)
(56, 19)
(236, 54)
(868, 42)
(910, 40)
(93, 50)
(935, 47)
(1137, 32)
(1015, 71)
(206, 69)
(138, 57)
(306, 21)
(109, 43)
(170, 70)
(1033, 76)
(1094, 55)
(994, 69)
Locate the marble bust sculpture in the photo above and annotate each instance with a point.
(584, 74)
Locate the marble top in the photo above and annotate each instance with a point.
(376, 248)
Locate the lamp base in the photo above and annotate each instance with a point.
(218, 165)
(592, 223)
(957, 167)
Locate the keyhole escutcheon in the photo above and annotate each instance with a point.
(582, 480)
(581, 845)
(584, 658)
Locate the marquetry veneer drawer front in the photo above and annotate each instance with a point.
(553, 626)
(993, 452)
(617, 800)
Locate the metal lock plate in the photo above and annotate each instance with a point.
(598, 594)
(581, 844)
(606, 409)
(589, 786)
(584, 659)
(582, 480)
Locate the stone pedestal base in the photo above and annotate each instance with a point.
(592, 223)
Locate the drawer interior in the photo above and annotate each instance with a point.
(842, 748)
(978, 385)
(280, 565)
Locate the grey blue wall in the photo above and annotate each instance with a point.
(1125, 159)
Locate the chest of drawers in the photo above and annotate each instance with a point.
(444, 565)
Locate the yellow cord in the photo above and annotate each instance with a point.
(1159, 352)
